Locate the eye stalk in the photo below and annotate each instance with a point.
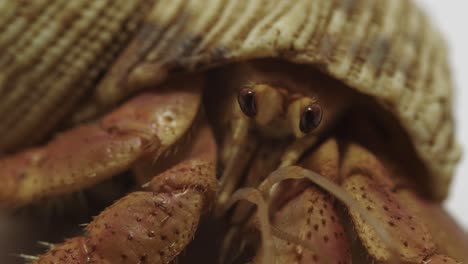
(247, 102)
(311, 117)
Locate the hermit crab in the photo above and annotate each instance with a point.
(307, 131)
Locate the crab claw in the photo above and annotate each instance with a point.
(148, 124)
(309, 214)
(370, 184)
(153, 225)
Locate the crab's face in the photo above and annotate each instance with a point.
(285, 100)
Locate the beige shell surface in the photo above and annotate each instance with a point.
(386, 49)
(51, 55)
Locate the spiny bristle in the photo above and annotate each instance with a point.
(47, 245)
(27, 258)
(146, 185)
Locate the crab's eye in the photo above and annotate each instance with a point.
(311, 117)
(246, 99)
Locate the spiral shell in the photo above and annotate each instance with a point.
(386, 49)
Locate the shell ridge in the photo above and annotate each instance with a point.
(63, 79)
(389, 63)
(222, 23)
(54, 87)
(24, 94)
(32, 77)
(252, 42)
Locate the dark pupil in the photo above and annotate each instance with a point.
(310, 118)
(247, 104)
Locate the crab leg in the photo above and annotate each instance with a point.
(76, 159)
(151, 226)
(307, 212)
(386, 220)
(369, 183)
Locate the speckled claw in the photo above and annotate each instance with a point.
(150, 226)
(310, 214)
(365, 178)
(148, 124)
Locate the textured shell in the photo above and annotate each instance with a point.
(386, 49)
(51, 54)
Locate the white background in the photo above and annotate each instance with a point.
(451, 17)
